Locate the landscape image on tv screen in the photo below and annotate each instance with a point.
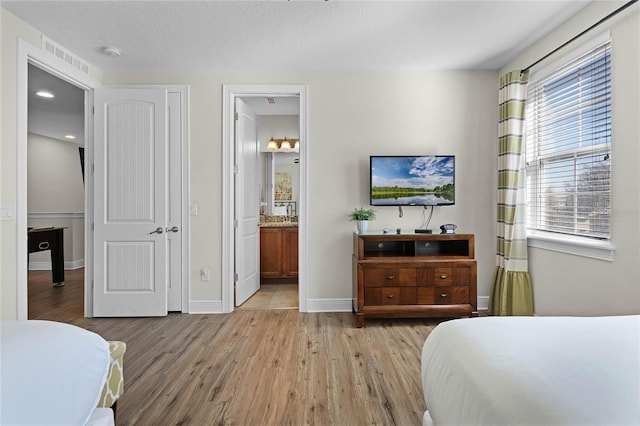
(412, 181)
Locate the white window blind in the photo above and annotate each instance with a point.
(568, 142)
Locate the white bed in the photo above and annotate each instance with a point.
(533, 371)
(52, 374)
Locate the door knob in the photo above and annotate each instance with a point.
(174, 229)
(157, 231)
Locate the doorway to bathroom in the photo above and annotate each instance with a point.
(273, 202)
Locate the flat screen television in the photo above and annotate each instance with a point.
(419, 180)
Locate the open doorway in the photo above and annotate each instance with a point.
(55, 197)
(235, 254)
(278, 191)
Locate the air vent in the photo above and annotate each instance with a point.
(59, 52)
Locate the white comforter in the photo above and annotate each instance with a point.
(533, 371)
(51, 374)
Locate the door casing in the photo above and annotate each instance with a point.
(27, 54)
(230, 93)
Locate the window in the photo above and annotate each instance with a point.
(568, 142)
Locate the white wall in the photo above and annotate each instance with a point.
(566, 284)
(55, 196)
(351, 115)
(12, 29)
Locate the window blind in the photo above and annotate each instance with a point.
(568, 142)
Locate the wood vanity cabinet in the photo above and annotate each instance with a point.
(278, 252)
(413, 275)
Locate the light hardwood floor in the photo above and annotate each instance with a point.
(268, 367)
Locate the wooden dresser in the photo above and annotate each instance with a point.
(413, 275)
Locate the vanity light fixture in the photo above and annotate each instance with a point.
(283, 145)
(272, 145)
(45, 94)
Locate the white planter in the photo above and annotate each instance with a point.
(362, 226)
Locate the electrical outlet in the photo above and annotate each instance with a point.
(204, 274)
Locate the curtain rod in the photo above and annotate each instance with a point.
(611, 15)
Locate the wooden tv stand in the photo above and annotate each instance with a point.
(413, 275)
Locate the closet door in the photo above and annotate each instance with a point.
(130, 202)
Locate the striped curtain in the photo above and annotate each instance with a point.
(511, 292)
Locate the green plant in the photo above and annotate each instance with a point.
(362, 214)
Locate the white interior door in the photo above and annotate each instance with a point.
(130, 202)
(247, 208)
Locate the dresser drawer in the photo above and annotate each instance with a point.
(389, 277)
(383, 296)
(453, 295)
(444, 276)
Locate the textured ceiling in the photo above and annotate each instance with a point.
(297, 34)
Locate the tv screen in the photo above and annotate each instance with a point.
(423, 180)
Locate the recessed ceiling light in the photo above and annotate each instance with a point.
(45, 94)
(69, 136)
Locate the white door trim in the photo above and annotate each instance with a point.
(28, 54)
(230, 92)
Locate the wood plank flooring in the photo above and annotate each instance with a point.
(277, 367)
(63, 304)
(267, 367)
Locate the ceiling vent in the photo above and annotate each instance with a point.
(59, 52)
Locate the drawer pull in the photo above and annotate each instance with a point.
(443, 277)
(380, 245)
(443, 295)
(389, 296)
(44, 245)
(391, 277)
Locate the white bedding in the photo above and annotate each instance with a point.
(51, 374)
(533, 371)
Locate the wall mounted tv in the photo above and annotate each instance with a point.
(421, 180)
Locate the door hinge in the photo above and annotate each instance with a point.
(235, 223)
(93, 110)
(92, 226)
(235, 276)
(235, 115)
(235, 169)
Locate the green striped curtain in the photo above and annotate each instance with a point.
(511, 292)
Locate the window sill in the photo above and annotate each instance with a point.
(602, 250)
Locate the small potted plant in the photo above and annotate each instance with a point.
(362, 217)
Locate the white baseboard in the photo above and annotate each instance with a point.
(205, 307)
(330, 305)
(313, 305)
(46, 266)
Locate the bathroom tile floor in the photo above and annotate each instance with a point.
(272, 296)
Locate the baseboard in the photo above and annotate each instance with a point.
(313, 305)
(46, 266)
(205, 307)
(329, 305)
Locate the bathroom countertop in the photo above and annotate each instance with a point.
(278, 224)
